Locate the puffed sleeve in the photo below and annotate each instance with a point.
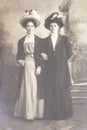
(68, 48)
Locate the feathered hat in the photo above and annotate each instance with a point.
(30, 15)
(54, 17)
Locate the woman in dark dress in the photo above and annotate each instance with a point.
(56, 50)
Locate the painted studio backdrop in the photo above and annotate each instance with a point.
(10, 32)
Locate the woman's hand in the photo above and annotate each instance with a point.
(21, 62)
(44, 56)
(38, 70)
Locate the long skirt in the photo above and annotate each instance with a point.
(26, 104)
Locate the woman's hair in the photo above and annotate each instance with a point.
(57, 22)
(53, 18)
(29, 20)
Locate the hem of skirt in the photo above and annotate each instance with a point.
(25, 117)
(59, 118)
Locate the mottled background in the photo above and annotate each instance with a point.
(11, 31)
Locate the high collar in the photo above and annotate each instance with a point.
(50, 41)
(29, 38)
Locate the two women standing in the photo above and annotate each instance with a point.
(52, 54)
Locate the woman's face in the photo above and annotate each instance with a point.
(54, 27)
(30, 27)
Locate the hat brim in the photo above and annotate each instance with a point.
(48, 21)
(24, 20)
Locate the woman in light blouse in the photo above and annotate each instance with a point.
(28, 59)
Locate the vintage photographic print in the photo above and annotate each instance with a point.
(43, 65)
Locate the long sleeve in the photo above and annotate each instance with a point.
(39, 59)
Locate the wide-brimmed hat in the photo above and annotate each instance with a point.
(30, 15)
(54, 17)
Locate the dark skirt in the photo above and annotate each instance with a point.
(58, 102)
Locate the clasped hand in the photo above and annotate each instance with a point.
(21, 62)
(44, 56)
